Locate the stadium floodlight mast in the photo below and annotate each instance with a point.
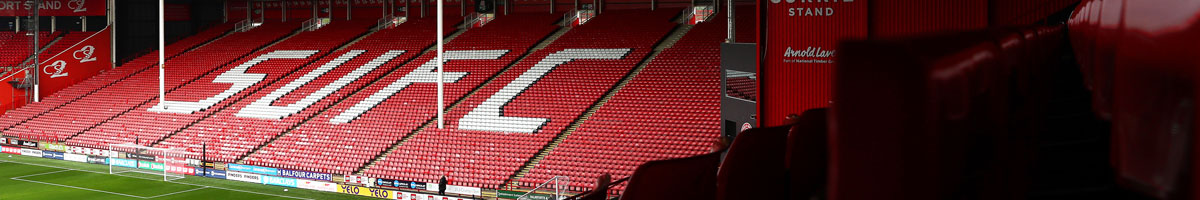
(440, 73)
(162, 60)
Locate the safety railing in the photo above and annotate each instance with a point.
(686, 16)
(569, 18)
(559, 183)
(246, 25)
(315, 23)
(606, 187)
(383, 23)
(469, 21)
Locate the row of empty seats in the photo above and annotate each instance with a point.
(126, 97)
(669, 110)
(16, 47)
(320, 146)
(489, 136)
(108, 77)
(346, 107)
(66, 41)
(478, 55)
(228, 136)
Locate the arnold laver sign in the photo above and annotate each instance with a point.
(808, 55)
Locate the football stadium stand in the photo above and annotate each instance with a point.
(349, 99)
(1095, 102)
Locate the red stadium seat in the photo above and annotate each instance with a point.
(939, 113)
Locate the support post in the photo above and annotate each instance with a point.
(440, 59)
(162, 61)
(112, 25)
(83, 23)
(249, 11)
(283, 10)
(37, 47)
(730, 36)
(53, 24)
(348, 11)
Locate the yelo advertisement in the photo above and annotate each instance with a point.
(365, 191)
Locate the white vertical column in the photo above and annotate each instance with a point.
(730, 35)
(162, 51)
(112, 33)
(440, 64)
(37, 49)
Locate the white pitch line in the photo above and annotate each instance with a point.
(39, 174)
(88, 189)
(174, 193)
(236, 190)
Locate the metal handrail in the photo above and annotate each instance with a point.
(606, 187)
(557, 189)
(687, 14)
(383, 23)
(246, 25)
(569, 17)
(469, 21)
(313, 24)
(242, 26)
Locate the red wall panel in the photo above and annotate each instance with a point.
(788, 88)
(796, 68)
(899, 18)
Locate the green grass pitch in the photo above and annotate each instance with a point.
(29, 178)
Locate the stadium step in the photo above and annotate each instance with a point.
(676, 34)
(542, 44)
(297, 125)
(89, 93)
